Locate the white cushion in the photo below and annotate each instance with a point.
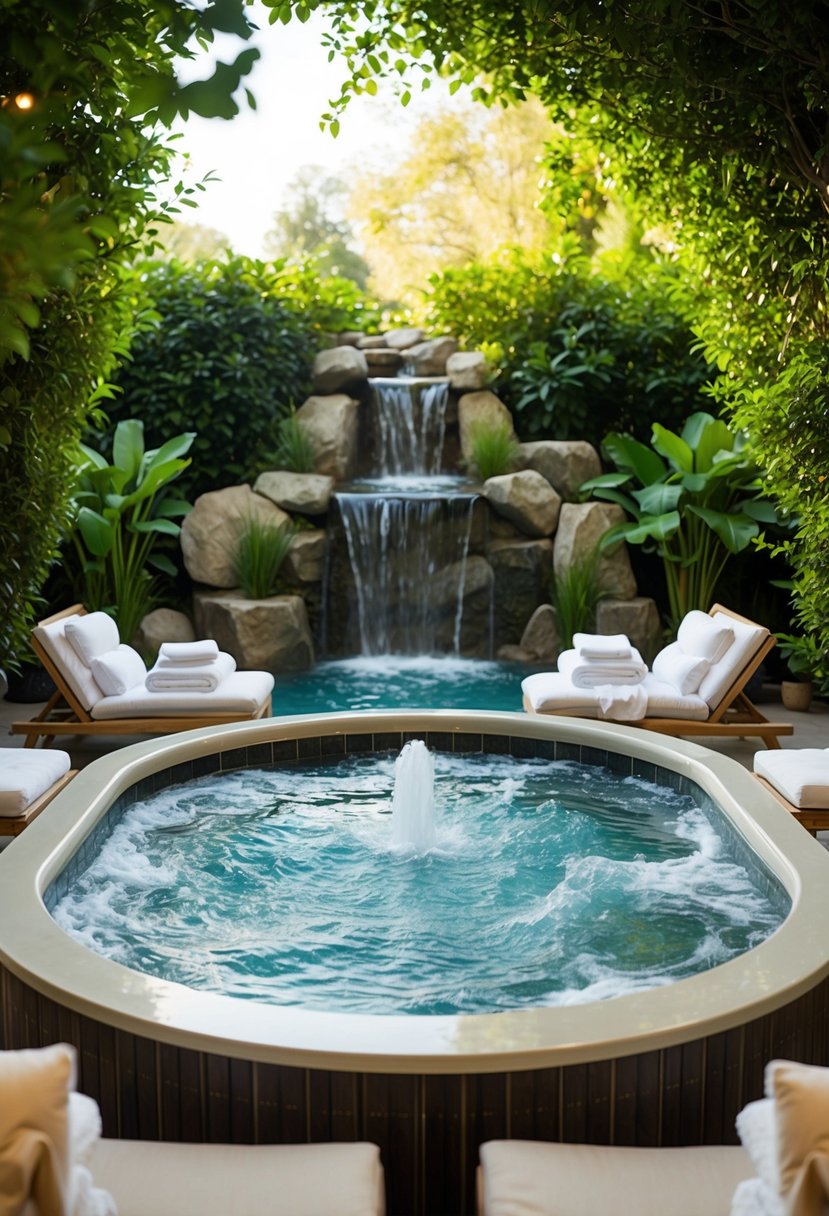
(25, 774)
(748, 639)
(684, 672)
(707, 637)
(800, 774)
(240, 1179)
(91, 635)
(531, 1178)
(801, 1107)
(240, 693)
(34, 1098)
(118, 670)
(552, 691)
(75, 672)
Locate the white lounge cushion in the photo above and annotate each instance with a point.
(242, 692)
(554, 691)
(118, 670)
(684, 672)
(75, 672)
(748, 638)
(705, 636)
(166, 1179)
(91, 635)
(26, 774)
(800, 774)
(532, 1178)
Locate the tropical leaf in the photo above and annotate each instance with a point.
(97, 532)
(736, 531)
(128, 447)
(628, 453)
(673, 448)
(658, 499)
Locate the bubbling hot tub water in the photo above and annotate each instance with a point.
(426, 885)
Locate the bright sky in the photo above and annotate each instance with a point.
(258, 153)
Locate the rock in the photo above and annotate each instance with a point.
(402, 339)
(305, 493)
(480, 409)
(526, 499)
(334, 369)
(510, 653)
(162, 625)
(541, 638)
(429, 358)
(522, 581)
(467, 371)
(383, 362)
(262, 635)
(306, 557)
(638, 619)
(350, 337)
(580, 528)
(370, 341)
(565, 463)
(331, 426)
(210, 532)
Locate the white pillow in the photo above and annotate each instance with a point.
(91, 635)
(119, 670)
(701, 635)
(801, 1103)
(684, 672)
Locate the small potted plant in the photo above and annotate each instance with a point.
(803, 657)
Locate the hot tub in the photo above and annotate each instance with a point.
(671, 1065)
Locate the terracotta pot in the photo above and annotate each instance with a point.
(796, 695)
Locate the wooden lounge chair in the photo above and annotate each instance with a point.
(28, 783)
(721, 706)
(78, 707)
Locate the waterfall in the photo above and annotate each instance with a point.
(409, 557)
(409, 421)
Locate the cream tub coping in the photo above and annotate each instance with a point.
(792, 961)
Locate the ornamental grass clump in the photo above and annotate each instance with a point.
(294, 450)
(494, 449)
(575, 594)
(263, 548)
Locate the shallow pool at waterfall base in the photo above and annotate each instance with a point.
(400, 682)
(550, 883)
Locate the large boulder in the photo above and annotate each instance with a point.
(468, 371)
(305, 493)
(480, 409)
(526, 499)
(262, 635)
(541, 638)
(162, 625)
(383, 362)
(580, 528)
(402, 339)
(337, 368)
(331, 424)
(306, 557)
(638, 619)
(565, 463)
(210, 533)
(370, 342)
(429, 358)
(522, 572)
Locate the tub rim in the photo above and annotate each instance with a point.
(789, 963)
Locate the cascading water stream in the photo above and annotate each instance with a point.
(409, 419)
(413, 800)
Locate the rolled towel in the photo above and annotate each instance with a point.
(622, 702)
(590, 673)
(188, 652)
(191, 677)
(602, 645)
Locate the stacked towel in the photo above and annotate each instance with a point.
(585, 672)
(176, 653)
(190, 675)
(602, 645)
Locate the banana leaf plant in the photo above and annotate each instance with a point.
(694, 498)
(122, 518)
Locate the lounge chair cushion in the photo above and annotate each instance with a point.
(75, 672)
(551, 690)
(234, 1179)
(25, 775)
(532, 1178)
(704, 636)
(748, 639)
(684, 672)
(91, 634)
(800, 774)
(118, 670)
(243, 692)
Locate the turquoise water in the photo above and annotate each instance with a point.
(551, 883)
(400, 682)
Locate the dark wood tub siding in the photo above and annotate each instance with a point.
(428, 1127)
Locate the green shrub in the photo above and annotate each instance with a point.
(575, 595)
(262, 549)
(494, 449)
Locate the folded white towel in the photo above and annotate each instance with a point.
(193, 677)
(754, 1198)
(602, 645)
(590, 673)
(188, 652)
(622, 702)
